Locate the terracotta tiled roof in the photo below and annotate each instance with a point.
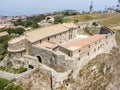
(45, 44)
(81, 43)
(44, 32)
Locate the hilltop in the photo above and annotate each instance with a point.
(105, 19)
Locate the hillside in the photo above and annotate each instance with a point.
(104, 19)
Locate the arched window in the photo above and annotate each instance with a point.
(39, 59)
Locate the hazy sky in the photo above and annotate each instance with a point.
(12, 6)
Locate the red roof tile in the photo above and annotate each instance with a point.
(81, 43)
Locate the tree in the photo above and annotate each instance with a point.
(15, 31)
(59, 18)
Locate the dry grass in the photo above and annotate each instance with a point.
(105, 19)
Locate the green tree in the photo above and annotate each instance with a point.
(59, 18)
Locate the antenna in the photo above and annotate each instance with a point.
(91, 6)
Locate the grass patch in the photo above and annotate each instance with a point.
(118, 36)
(105, 19)
(8, 85)
(13, 70)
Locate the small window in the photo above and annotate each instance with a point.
(79, 50)
(48, 39)
(94, 50)
(79, 58)
(89, 46)
(106, 37)
(40, 41)
(88, 54)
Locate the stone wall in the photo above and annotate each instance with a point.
(47, 56)
(54, 60)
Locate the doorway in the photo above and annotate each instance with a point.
(31, 67)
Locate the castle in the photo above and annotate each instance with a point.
(60, 47)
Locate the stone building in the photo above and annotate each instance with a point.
(59, 50)
(58, 46)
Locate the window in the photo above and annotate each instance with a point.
(79, 58)
(106, 37)
(88, 54)
(94, 50)
(68, 53)
(48, 39)
(89, 46)
(79, 50)
(40, 41)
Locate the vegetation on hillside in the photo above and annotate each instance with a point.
(13, 70)
(105, 19)
(3, 46)
(18, 31)
(30, 21)
(59, 19)
(118, 36)
(8, 85)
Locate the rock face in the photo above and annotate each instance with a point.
(35, 81)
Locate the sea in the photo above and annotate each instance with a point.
(20, 12)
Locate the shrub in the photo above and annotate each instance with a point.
(8, 85)
(1, 57)
(13, 70)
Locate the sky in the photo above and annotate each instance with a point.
(19, 7)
